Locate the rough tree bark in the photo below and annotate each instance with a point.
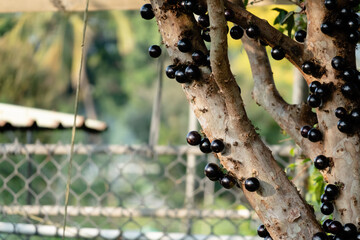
(217, 103)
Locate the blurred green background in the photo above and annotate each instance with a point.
(40, 53)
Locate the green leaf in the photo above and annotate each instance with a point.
(287, 16)
(290, 24)
(246, 2)
(291, 166)
(306, 160)
(292, 152)
(281, 16)
(318, 179)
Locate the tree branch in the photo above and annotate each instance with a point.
(290, 117)
(294, 50)
(277, 202)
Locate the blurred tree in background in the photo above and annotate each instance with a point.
(40, 53)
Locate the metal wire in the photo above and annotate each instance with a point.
(115, 187)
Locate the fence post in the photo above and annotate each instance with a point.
(190, 173)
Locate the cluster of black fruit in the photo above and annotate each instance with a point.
(182, 73)
(335, 228)
(311, 133)
(343, 20)
(348, 122)
(194, 138)
(190, 72)
(331, 192)
(215, 173)
(348, 22)
(263, 232)
(351, 77)
(212, 170)
(318, 92)
(337, 231)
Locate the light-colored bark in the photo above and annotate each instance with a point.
(343, 149)
(218, 106)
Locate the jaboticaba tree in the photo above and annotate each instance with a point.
(326, 127)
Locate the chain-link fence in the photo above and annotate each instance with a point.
(117, 192)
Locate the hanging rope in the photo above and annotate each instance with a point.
(75, 115)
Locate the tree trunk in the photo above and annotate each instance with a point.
(217, 103)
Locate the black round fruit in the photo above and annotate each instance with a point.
(192, 72)
(252, 184)
(146, 11)
(252, 31)
(213, 171)
(268, 238)
(327, 208)
(346, 12)
(180, 76)
(198, 57)
(189, 5)
(327, 28)
(321, 91)
(335, 227)
(357, 236)
(204, 21)
(325, 198)
(206, 35)
(313, 85)
(344, 126)
(321, 162)
(308, 67)
(277, 53)
(339, 23)
(326, 225)
(314, 101)
(349, 90)
(338, 63)
(170, 71)
(320, 236)
(199, 9)
(330, 4)
(304, 131)
(339, 237)
(262, 231)
(352, 24)
(236, 32)
(340, 112)
(349, 74)
(354, 37)
(229, 14)
(331, 190)
(355, 116)
(217, 146)
(205, 146)
(184, 45)
(314, 135)
(154, 51)
(227, 181)
(300, 35)
(349, 230)
(193, 138)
